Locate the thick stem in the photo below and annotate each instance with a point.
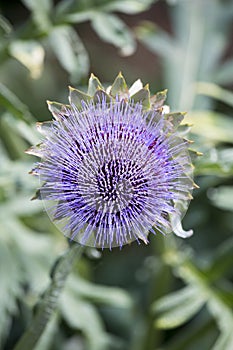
(159, 286)
(48, 303)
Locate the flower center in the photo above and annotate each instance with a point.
(114, 188)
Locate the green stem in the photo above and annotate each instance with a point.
(159, 286)
(48, 303)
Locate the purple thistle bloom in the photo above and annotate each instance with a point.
(114, 172)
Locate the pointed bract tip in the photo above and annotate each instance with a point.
(195, 185)
(188, 141)
(92, 76)
(164, 92)
(190, 196)
(33, 198)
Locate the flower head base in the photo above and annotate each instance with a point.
(113, 165)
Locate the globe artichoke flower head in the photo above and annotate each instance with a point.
(114, 165)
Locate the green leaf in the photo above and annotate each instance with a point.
(5, 25)
(41, 12)
(11, 276)
(10, 136)
(213, 126)
(99, 294)
(48, 303)
(222, 314)
(157, 40)
(73, 17)
(72, 12)
(216, 300)
(128, 6)
(222, 197)
(20, 205)
(177, 308)
(34, 252)
(224, 74)
(215, 91)
(83, 316)
(215, 162)
(76, 12)
(12, 103)
(224, 342)
(30, 53)
(70, 52)
(20, 131)
(38, 5)
(221, 261)
(112, 30)
(195, 335)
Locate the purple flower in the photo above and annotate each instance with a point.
(113, 170)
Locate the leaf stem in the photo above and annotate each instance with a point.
(159, 286)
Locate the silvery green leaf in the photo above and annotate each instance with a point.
(222, 197)
(99, 294)
(224, 74)
(82, 315)
(112, 29)
(215, 91)
(29, 53)
(41, 11)
(70, 51)
(12, 103)
(128, 6)
(177, 308)
(216, 127)
(11, 275)
(215, 162)
(5, 25)
(157, 40)
(220, 261)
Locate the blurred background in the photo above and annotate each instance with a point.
(173, 294)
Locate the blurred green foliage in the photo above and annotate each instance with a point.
(172, 294)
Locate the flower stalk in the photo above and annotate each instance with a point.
(48, 303)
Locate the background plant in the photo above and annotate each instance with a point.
(172, 294)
